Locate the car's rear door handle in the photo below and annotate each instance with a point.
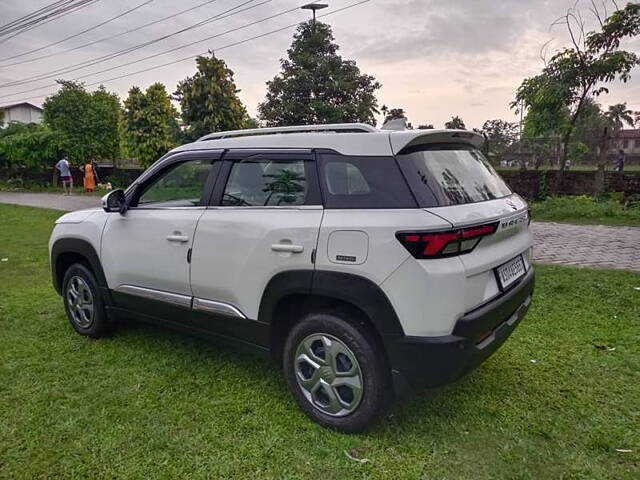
(287, 247)
(177, 237)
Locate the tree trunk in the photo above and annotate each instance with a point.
(567, 138)
(563, 158)
(603, 146)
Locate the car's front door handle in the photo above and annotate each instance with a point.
(287, 247)
(177, 237)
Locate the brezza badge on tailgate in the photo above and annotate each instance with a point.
(514, 221)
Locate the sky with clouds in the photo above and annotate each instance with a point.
(434, 58)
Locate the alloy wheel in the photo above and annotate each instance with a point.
(329, 374)
(80, 302)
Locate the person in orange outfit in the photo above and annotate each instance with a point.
(90, 177)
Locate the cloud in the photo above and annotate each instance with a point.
(435, 59)
(420, 29)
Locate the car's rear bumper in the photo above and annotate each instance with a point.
(418, 362)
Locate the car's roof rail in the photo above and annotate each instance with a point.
(331, 128)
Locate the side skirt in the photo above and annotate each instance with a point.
(247, 334)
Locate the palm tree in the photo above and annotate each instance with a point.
(455, 123)
(618, 115)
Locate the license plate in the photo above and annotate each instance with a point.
(510, 272)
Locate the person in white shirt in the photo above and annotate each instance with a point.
(65, 175)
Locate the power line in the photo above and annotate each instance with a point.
(64, 13)
(138, 60)
(126, 12)
(33, 14)
(110, 56)
(167, 51)
(191, 57)
(70, 6)
(104, 39)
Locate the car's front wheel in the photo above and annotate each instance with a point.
(83, 303)
(337, 372)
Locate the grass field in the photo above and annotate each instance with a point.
(585, 210)
(561, 399)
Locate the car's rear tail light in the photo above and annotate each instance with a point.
(447, 243)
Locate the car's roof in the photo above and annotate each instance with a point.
(378, 142)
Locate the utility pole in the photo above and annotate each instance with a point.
(313, 7)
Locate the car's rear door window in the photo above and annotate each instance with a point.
(263, 182)
(450, 174)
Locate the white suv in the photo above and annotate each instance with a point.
(366, 263)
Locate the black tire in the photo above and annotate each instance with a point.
(98, 325)
(375, 395)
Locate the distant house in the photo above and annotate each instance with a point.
(627, 140)
(24, 112)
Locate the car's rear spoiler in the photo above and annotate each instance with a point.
(409, 138)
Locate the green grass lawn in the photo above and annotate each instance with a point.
(585, 210)
(555, 402)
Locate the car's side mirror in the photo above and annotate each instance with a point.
(114, 201)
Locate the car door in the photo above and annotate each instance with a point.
(145, 251)
(264, 219)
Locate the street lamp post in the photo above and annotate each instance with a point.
(313, 7)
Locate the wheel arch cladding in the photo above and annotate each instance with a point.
(361, 293)
(288, 294)
(67, 251)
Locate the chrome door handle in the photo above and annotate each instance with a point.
(175, 237)
(287, 247)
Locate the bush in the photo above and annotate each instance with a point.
(586, 209)
(117, 178)
(28, 145)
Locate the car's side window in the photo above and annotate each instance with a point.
(180, 186)
(266, 182)
(363, 182)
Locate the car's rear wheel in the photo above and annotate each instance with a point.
(83, 303)
(337, 371)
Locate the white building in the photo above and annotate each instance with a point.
(24, 112)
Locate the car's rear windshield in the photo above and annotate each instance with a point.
(450, 174)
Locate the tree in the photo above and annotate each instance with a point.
(577, 151)
(151, 124)
(32, 145)
(500, 135)
(391, 114)
(209, 100)
(618, 115)
(397, 114)
(316, 85)
(86, 123)
(574, 74)
(614, 120)
(455, 123)
(427, 126)
(589, 130)
(394, 113)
